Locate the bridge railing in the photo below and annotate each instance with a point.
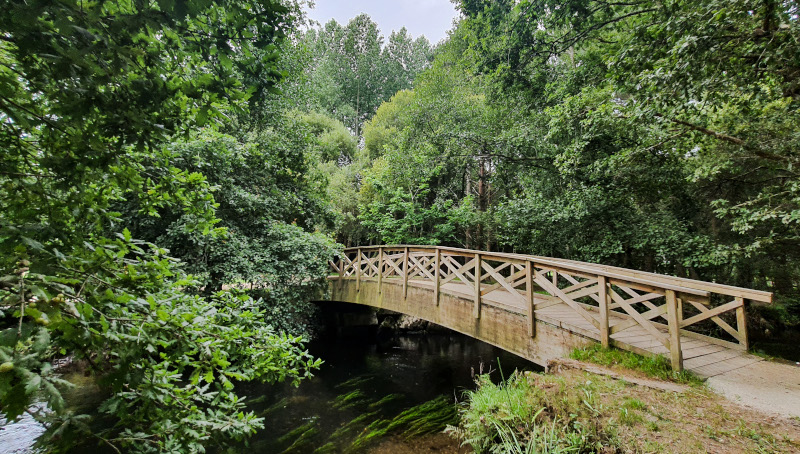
(619, 306)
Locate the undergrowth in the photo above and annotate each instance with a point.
(519, 416)
(655, 366)
(580, 412)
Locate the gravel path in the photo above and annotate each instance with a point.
(771, 387)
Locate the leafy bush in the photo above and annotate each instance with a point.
(169, 359)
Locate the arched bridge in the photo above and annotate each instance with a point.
(541, 308)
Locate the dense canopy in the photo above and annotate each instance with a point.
(175, 176)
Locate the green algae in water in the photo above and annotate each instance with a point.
(376, 429)
(256, 400)
(351, 426)
(431, 416)
(283, 403)
(327, 448)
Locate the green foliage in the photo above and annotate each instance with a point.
(654, 366)
(351, 71)
(335, 141)
(384, 127)
(169, 359)
(645, 135)
(402, 219)
(89, 93)
(264, 196)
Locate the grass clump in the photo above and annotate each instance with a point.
(517, 416)
(653, 366)
(629, 412)
(580, 412)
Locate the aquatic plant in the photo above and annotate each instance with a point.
(349, 400)
(327, 448)
(431, 416)
(355, 382)
(299, 437)
(274, 407)
(386, 400)
(351, 426)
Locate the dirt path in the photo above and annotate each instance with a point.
(767, 386)
(668, 418)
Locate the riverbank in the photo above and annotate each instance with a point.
(573, 408)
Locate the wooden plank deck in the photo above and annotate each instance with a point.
(700, 357)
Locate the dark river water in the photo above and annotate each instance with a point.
(364, 382)
(357, 394)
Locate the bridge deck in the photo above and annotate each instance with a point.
(700, 357)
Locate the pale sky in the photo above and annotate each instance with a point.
(431, 18)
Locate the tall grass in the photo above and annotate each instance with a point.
(526, 415)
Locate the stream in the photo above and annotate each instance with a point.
(365, 384)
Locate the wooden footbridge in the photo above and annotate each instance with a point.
(541, 308)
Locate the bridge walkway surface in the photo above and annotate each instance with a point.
(541, 308)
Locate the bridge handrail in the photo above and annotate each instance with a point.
(680, 284)
(595, 292)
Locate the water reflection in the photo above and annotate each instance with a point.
(18, 438)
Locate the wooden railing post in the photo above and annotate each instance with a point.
(531, 298)
(676, 355)
(380, 270)
(405, 272)
(437, 274)
(358, 270)
(341, 270)
(741, 323)
(604, 296)
(476, 310)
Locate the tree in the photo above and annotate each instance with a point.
(266, 201)
(89, 93)
(712, 83)
(353, 72)
(443, 140)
